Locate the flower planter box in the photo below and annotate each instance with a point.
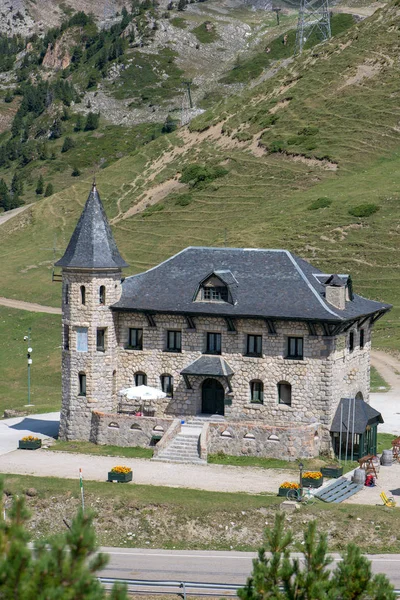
(310, 482)
(283, 491)
(332, 471)
(25, 445)
(120, 477)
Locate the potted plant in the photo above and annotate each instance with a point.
(120, 474)
(286, 486)
(29, 442)
(333, 471)
(312, 479)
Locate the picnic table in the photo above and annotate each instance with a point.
(367, 463)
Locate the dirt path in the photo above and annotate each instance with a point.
(4, 217)
(388, 367)
(31, 306)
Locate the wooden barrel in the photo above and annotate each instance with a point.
(387, 458)
(359, 476)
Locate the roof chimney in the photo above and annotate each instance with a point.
(335, 292)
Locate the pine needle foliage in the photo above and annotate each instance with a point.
(278, 576)
(62, 568)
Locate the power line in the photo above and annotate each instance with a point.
(313, 16)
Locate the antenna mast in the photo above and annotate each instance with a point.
(313, 15)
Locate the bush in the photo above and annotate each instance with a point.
(49, 190)
(183, 200)
(199, 175)
(277, 146)
(92, 121)
(9, 97)
(320, 203)
(153, 209)
(308, 131)
(363, 210)
(76, 172)
(243, 136)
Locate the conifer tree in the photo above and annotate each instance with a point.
(68, 144)
(62, 568)
(49, 190)
(17, 186)
(4, 195)
(79, 123)
(277, 576)
(40, 185)
(92, 121)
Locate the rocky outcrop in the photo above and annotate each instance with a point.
(57, 56)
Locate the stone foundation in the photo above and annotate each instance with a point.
(125, 430)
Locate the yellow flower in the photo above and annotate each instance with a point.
(312, 475)
(291, 485)
(30, 438)
(120, 469)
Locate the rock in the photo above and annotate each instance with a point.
(290, 506)
(31, 492)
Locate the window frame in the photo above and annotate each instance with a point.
(101, 332)
(257, 338)
(139, 345)
(296, 340)
(83, 295)
(66, 295)
(216, 336)
(82, 387)
(254, 392)
(82, 334)
(351, 341)
(66, 344)
(362, 339)
(170, 391)
(215, 293)
(279, 386)
(140, 374)
(102, 295)
(176, 336)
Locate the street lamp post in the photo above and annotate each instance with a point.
(27, 338)
(301, 475)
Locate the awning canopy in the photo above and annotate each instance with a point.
(206, 365)
(142, 392)
(355, 413)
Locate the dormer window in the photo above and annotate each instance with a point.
(215, 294)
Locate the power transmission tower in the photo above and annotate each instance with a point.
(313, 16)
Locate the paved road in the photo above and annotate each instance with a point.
(9, 214)
(207, 566)
(12, 430)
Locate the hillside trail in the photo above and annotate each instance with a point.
(6, 216)
(388, 367)
(31, 306)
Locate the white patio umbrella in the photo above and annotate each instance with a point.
(142, 392)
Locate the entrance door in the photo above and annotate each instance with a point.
(212, 397)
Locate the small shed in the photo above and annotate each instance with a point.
(354, 429)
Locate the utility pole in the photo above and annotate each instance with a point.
(277, 11)
(313, 16)
(27, 338)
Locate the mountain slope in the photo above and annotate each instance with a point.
(327, 126)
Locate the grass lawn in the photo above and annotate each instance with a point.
(160, 517)
(378, 384)
(309, 464)
(46, 357)
(385, 441)
(89, 448)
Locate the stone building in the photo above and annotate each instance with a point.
(255, 349)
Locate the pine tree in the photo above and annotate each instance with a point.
(76, 172)
(79, 123)
(49, 190)
(40, 185)
(92, 121)
(182, 4)
(66, 115)
(277, 576)
(64, 567)
(4, 195)
(17, 186)
(68, 144)
(56, 129)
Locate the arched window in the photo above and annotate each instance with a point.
(102, 294)
(167, 385)
(359, 396)
(82, 384)
(257, 392)
(284, 393)
(140, 378)
(83, 294)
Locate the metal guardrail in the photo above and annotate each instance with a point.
(184, 588)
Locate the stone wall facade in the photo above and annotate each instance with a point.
(328, 370)
(125, 430)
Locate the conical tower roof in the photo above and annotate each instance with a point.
(92, 245)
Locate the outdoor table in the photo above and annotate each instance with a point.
(366, 462)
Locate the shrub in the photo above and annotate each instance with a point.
(183, 200)
(243, 136)
(199, 175)
(40, 185)
(277, 146)
(49, 190)
(320, 203)
(68, 144)
(92, 121)
(308, 131)
(153, 209)
(76, 172)
(363, 210)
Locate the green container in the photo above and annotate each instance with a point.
(25, 445)
(120, 477)
(309, 482)
(283, 491)
(332, 471)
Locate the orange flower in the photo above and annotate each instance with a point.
(290, 485)
(312, 475)
(30, 438)
(120, 469)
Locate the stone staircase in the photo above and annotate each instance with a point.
(184, 448)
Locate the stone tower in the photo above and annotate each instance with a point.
(91, 283)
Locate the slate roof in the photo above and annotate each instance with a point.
(92, 245)
(364, 415)
(266, 283)
(208, 365)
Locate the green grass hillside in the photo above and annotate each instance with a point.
(326, 126)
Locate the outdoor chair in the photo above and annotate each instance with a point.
(389, 502)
